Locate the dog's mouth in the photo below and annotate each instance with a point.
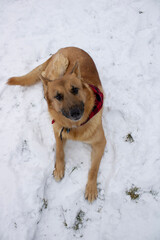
(75, 112)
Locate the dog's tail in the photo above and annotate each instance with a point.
(30, 78)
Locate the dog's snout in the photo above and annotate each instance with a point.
(75, 113)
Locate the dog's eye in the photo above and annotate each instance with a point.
(74, 90)
(59, 97)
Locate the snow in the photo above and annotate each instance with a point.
(123, 37)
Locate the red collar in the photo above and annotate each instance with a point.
(98, 103)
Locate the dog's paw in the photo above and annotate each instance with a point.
(91, 192)
(58, 173)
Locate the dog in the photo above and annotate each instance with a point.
(74, 95)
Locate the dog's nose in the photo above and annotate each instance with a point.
(75, 113)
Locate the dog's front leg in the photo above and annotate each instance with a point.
(96, 155)
(58, 173)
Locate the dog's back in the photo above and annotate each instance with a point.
(88, 69)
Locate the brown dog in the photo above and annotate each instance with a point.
(74, 94)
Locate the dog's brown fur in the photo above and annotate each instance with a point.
(71, 67)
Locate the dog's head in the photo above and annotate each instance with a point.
(66, 94)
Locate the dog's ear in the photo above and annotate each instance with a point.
(44, 79)
(45, 82)
(57, 67)
(76, 70)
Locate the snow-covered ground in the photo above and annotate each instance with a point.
(123, 37)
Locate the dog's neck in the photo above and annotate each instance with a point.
(95, 108)
(98, 103)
